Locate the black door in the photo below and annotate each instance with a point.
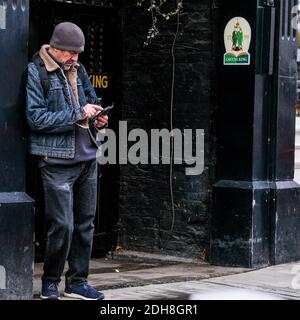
(102, 58)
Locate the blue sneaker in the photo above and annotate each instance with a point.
(49, 290)
(84, 292)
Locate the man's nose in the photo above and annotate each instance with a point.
(75, 57)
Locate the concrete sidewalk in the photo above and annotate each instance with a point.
(140, 276)
(272, 283)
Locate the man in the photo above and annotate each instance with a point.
(58, 110)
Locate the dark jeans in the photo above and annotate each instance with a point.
(70, 205)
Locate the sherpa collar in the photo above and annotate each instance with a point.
(50, 64)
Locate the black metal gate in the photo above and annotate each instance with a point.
(101, 24)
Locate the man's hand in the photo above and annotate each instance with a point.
(101, 121)
(90, 110)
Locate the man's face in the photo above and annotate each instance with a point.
(67, 57)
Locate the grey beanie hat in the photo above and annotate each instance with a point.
(68, 36)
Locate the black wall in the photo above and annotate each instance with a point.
(16, 207)
(145, 203)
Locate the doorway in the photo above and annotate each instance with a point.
(103, 61)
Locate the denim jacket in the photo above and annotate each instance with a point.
(52, 119)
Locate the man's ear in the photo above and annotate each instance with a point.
(54, 50)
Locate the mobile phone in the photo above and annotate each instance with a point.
(103, 112)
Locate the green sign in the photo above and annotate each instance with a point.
(237, 39)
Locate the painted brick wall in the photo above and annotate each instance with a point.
(145, 203)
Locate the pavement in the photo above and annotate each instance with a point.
(141, 276)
